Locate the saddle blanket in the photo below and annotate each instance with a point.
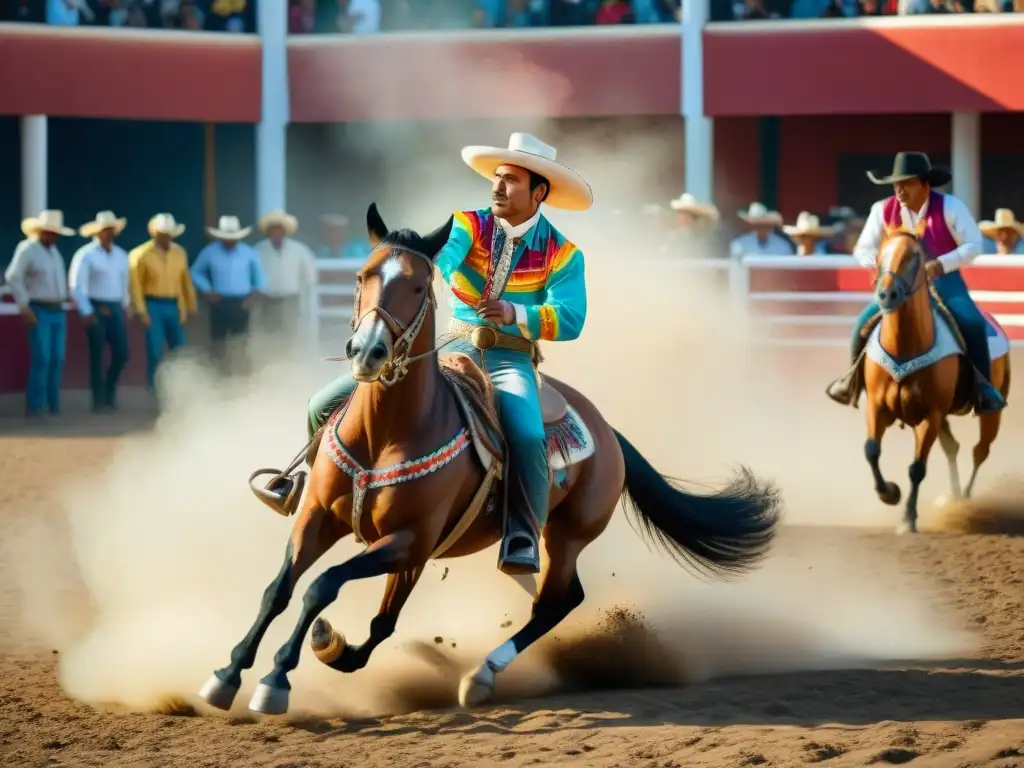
(945, 345)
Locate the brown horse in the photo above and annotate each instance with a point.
(407, 467)
(915, 373)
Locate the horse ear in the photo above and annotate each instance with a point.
(375, 227)
(437, 239)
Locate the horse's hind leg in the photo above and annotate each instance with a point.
(384, 556)
(951, 448)
(925, 434)
(989, 429)
(561, 592)
(878, 421)
(315, 531)
(330, 647)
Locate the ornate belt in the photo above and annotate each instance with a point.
(485, 337)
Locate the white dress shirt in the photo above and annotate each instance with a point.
(750, 245)
(959, 220)
(98, 274)
(289, 272)
(37, 273)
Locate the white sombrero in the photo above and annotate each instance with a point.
(1004, 219)
(279, 219)
(687, 203)
(229, 228)
(103, 220)
(46, 221)
(568, 189)
(758, 213)
(809, 225)
(164, 224)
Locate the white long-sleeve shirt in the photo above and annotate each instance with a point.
(98, 274)
(750, 245)
(290, 271)
(961, 223)
(37, 273)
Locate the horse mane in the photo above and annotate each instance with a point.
(406, 239)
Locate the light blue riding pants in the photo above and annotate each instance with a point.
(515, 386)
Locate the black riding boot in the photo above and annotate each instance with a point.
(520, 542)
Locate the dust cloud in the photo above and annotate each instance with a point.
(172, 553)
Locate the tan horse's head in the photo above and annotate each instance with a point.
(392, 299)
(901, 270)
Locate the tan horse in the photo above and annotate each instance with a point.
(407, 467)
(916, 374)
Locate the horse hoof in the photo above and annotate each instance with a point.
(477, 687)
(269, 701)
(217, 693)
(891, 495)
(327, 644)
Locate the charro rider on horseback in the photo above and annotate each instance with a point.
(951, 239)
(515, 280)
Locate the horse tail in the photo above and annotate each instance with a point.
(721, 534)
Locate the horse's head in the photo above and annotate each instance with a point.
(900, 271)
(393, 297)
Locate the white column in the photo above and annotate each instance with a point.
(33, 164)
(699, 130)
(271, 133)
(966, 160)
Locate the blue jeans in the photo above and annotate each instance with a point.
(972, 324)
(515, 386)
(108, 330)
(47, 342)
(164, 332)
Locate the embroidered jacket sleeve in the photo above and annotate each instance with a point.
(561, 316)
(870, 240)
(454, 252)
(964, 230)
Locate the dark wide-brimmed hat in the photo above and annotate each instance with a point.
(912, 165)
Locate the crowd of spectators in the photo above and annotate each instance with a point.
(369, 16)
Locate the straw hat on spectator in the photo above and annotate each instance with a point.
(1004, 219)
(289, 223)
(808, 225)
(567, 188)
(758, 215)
(104, 220)
(164, 224)
(46, 221)
(229, 228)
(687, 203)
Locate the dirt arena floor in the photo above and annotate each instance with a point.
(950, 712)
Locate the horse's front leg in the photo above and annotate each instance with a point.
(879, 419)
(925, 435)
(389, 554)
(315, 531)
(330, 646)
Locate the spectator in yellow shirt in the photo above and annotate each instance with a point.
(162, 293)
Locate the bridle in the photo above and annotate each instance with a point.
(402, 336)
(906, 278)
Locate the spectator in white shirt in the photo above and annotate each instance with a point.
(1005, 233)
(362, 17)
(290, 274)
(37, 278)
(99, 287)
(762, 240)
(808, 234)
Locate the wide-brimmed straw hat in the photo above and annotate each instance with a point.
(229, 228)
(104, 220)
(567, 189)
(46, 221)
(1004, 219)
(809, 225)
(164, 224)
(912, 165)
(687, 203)
(758, 214)
(289, 223)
